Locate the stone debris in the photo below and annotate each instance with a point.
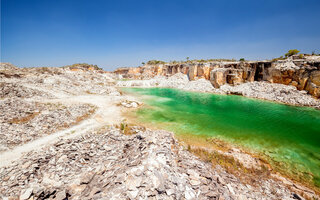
(273, 92)
(178, 80)
(9, 90)
(60, 81)
(7, 66)
(113, 162)
(22, 121)
(302, 72)
(313, 58)
(130, 104)
(105, 164)
(262, 90)
(286, 65)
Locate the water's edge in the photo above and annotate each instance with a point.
(142, 113)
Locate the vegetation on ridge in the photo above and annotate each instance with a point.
(82, 66)
(291, 52)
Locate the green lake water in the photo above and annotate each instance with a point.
(288, 136)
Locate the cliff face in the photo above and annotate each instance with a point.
(304, 74)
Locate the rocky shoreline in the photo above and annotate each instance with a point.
(96, 154)
(260, 90)
(278, 80)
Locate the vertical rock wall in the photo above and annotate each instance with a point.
(303, 74)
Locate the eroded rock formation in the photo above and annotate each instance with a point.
(304, 74)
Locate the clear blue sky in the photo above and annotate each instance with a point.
(125, 33)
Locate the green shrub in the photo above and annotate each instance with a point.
(155, 62)
(242, 59)
(82, 66)
(292, 52)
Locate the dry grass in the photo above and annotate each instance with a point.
(249, 176)
(24, 119)
(85, 116)
(89, 92)
(78, 119)
(130, 129)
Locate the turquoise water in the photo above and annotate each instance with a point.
(289, 136)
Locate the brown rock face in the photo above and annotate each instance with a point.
(303, 74)
(313, 85)
(218, 77)
(315, 77)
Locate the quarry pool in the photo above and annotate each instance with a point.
(288, 136)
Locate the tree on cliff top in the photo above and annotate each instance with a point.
(292, 52)
(155, 62)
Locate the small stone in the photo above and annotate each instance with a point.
(94, 191)
(133, 182)
(221, 180)
(170, 192)
(158, 181)
(26, 165)
(194, 182)
(192, 173)
(241, 197)
(26, 194)
(134, 104)
(204, 189)
(212, 194)
(120, 178)
(76, 189)
(86, 178)
(189, 193)
(61, 195)
(132, 194)
(63, 159)
(230, 189)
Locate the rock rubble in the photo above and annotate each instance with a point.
(106, 164)
(273, 92)
(262, 90)
(99, 161)
(9, 90)
(22, 121)
(303, 72)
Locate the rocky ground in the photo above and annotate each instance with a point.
(106, 164)
(274, 92)
(63, 137)
(262, 90)
(23, 121)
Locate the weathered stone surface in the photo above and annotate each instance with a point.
(23, 121)
(287, 72)
(263, 90)
(275, 92)
(218, 77)
(26, 194)
(166, 170)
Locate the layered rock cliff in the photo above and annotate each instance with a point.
(304, 73)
